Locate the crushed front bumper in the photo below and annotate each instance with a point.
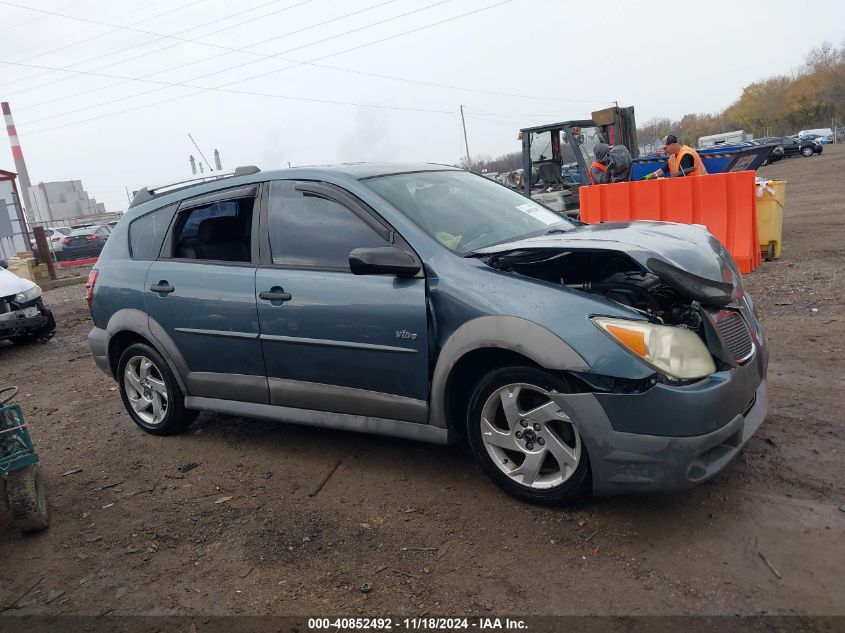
(623, 461)
(32, 319)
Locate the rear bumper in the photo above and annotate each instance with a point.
(98, 341)
(624, 462)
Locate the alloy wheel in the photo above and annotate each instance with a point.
(146, 390)
(529, 437)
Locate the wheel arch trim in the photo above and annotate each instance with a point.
(513, 334)
(138, 322)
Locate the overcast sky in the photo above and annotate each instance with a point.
(113, 119)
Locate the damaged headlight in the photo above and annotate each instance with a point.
(677, 352)
(28, 295)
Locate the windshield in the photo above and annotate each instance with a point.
(465, 212)
(85, 230)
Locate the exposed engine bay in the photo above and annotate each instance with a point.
(610, 274)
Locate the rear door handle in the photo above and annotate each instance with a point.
(276, 294)
(162, 288)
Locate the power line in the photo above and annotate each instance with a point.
(224, 87)
(296, 62)
(294, 65)
(161, 36)
(205, 59)
(17, 25)
(115, 27)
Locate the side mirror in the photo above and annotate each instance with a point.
(386, 260)
(4, 264)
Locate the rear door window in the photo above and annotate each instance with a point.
(218, 231)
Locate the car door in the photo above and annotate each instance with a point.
(332, 340)
(200, 296)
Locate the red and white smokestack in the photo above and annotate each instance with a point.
(17, 154)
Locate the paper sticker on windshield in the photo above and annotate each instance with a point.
(536, 211)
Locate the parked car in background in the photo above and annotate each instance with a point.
(792, 147)
(813, 137)
(823, 132)
(775, 155)
(430, 303)
(55, 240)
(85, 242)
(23, 317)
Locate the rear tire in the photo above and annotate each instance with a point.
(524, 441)
(27, 499)
(807, 151)
(150, 392)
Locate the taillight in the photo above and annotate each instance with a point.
(66, 240)
(92, 281)
(55, 238)
(91, 237)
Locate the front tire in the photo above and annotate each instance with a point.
(150, 392)
(523, 440)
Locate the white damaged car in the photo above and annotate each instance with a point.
(23, 317)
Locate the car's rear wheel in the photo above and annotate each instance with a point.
(807, 151)
(150, 392)
(524, 440)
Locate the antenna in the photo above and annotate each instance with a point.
(201, 154)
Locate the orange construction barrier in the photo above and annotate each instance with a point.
(725, 203)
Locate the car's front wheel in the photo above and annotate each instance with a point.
(524, 440)
(150, 393)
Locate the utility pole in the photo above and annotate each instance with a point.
(466, 143)
(128, 197)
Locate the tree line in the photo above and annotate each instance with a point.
(813, 96)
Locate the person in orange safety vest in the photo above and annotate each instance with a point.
(598, 170)
(683, 160)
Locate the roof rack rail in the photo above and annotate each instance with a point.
(146, 194)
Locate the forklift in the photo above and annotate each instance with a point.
(556, 157)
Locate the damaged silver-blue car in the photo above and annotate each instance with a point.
(425, 302)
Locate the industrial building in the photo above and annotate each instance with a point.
(56, 201)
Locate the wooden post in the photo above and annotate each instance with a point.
(44, 250)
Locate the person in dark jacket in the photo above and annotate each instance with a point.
(612, 164)
(598, 170)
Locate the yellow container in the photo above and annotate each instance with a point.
(771, 196)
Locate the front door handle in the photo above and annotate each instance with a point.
(162, 287)
(275, 294)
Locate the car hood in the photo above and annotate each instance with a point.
(677, 253)
(11, 284)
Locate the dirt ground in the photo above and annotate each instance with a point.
(239, 534)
